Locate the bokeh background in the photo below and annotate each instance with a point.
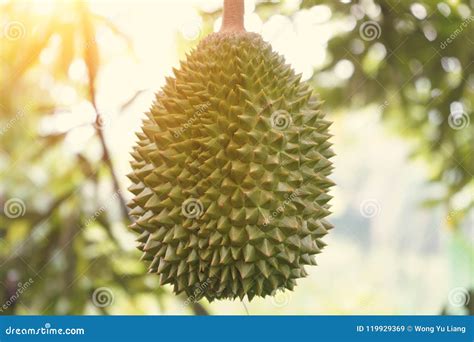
(397, 78)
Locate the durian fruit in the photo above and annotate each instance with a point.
(230, 171)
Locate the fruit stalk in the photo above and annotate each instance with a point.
(233, 20)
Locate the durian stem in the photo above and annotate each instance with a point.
(233, 18)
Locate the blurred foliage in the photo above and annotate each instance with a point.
(415, 60)
(70, 240)
(69, 216)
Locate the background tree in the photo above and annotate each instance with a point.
(64, 222)
(68, 216)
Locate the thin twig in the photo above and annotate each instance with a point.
(108, 162)
(199, 310)
(245, 307)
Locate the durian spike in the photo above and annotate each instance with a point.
(233, 20)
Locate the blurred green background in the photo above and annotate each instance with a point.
(397, 78)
